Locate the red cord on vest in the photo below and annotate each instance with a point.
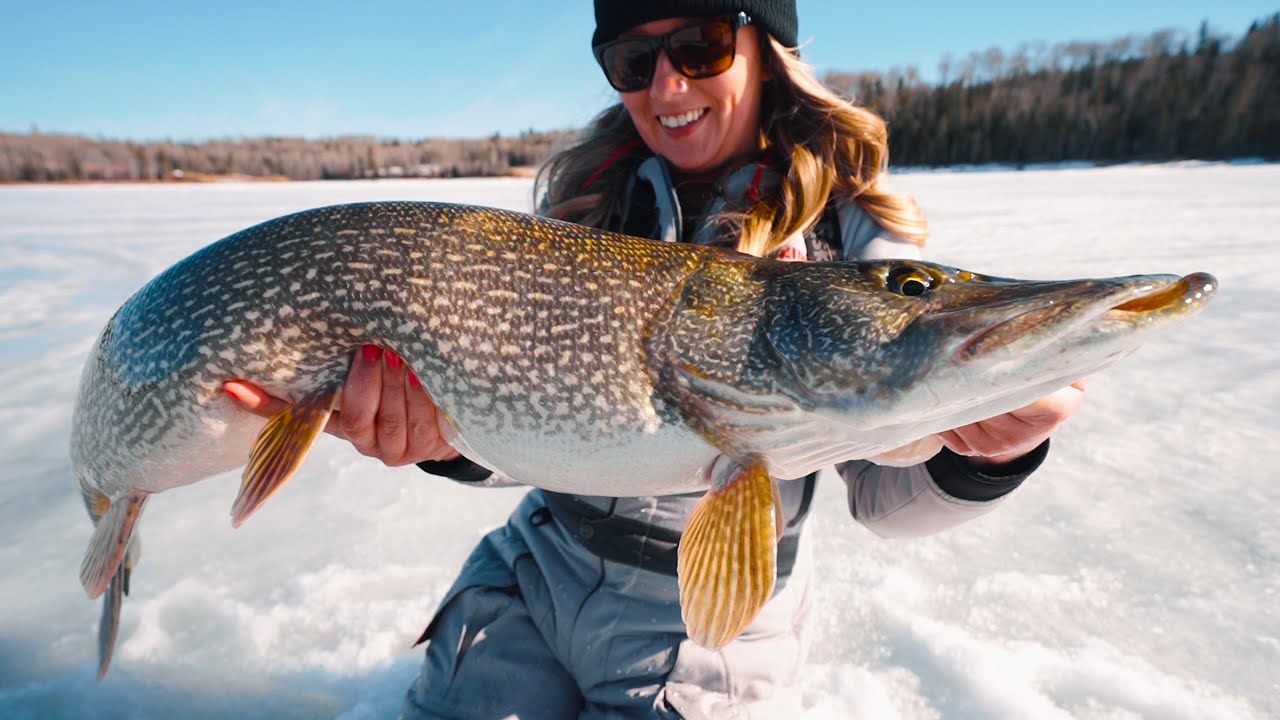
(615, 157)
(753, 192)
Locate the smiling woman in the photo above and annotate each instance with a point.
(697, 126)
(722, 137)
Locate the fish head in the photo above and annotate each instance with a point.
(910, 348)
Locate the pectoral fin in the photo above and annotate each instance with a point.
(728, 554)
(279, 450)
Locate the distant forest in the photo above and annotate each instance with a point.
(1165, 96)
(36, 157)
(1161, 97)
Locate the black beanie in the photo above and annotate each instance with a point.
(613, 17)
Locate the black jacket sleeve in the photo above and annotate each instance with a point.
(959, 478)
(460, 469)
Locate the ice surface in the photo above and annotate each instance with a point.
(1136, 575)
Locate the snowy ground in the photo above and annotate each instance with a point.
(1136, 575)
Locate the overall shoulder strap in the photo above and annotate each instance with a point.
(863, 238)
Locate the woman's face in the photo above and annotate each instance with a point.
(700, 125)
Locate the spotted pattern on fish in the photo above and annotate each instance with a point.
(538, 327)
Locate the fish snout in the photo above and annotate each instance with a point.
(1188, 293)
(1037, 314)
(1075, 308)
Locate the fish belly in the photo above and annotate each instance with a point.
(669, 460)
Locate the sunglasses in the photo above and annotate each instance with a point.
(699, 50)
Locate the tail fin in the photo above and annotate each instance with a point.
(112, 552)
(110, 622)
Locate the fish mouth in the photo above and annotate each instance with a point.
(1192, 289)
(1129, 305)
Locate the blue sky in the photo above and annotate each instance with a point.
(405, 68)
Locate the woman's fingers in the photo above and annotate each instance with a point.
(361, 396)
(392, 419)
(253, 398)
(1006, 437)
(425, 440)
(387, 414)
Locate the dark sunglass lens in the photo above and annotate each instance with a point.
(629, 66)
(703, 50)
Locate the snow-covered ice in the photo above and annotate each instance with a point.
(1137, 574)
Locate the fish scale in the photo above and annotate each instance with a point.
(574, 360)
(427, 280)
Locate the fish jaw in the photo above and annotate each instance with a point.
(989, 359)
(1124, 314)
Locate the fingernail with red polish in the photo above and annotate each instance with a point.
(393, 360)
(371, 352)
(414, 381)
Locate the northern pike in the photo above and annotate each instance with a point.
(560, 354)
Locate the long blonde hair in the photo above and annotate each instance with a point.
(825, 144)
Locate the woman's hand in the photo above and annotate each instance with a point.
(385, 412)
(1005, 438)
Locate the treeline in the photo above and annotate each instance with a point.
(36, 157)
(1160, 97)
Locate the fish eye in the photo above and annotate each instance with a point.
(910, 281)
